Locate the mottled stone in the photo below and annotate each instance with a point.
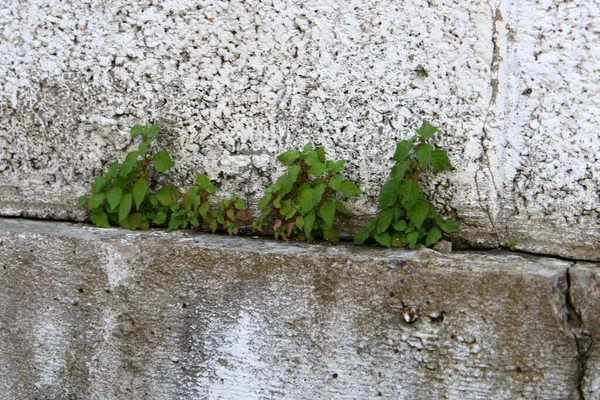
(93, 313)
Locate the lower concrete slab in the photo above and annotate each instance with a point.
(88, 313)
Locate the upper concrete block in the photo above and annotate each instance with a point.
(513, 86)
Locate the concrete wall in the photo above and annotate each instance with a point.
(512, 84)
(90, 313)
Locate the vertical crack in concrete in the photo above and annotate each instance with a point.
(495, 85)
(583, 339)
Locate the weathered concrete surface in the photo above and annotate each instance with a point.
(87, 313)
(512, 84)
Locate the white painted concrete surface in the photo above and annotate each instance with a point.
(513, 86)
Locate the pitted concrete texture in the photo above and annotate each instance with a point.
(88, 313)
(512, 84)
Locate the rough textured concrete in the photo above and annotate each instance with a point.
(513, 85)
(88, 313)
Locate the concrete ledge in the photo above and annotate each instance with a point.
(91, 313)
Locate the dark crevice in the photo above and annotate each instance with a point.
(343, 239)
(583, 339)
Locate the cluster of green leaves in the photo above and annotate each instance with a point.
(303, 203)
(121, 197)
(194, 210)
(406, 217)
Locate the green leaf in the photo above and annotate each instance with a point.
(408, 193)
(424, 154)
(426, 130)
(360, 237)
(284, 185)
(98, 184)
(318, 169)
(239, 204)
(402, 149)
(342, 208)
(289, 157)
(152, 131)
(321, 154)
(383, 239)
(349, 189)
(137, 130)
(335, 182)
(312, 158)
(338, 166)
(230, 214)
(160, 218)
(114, 196)
(162, 161)
(82, 201)
(398, 239)
(135, 221)
(168, 195)
(327, 212)
(99, 218)
(449, 227)
(400, 226)
(125, 206)
(130, 160)
(433, 236)
(189, 196)
(399, 170)
(440, 160)
(299, 221)
(264, 201)
(412, 238)
(306, 148)
(212, 225)
(174, 223)
(96, 200)
(143, 147)
(112, 170)
(309, 221)
(331, 235)
(203, 210)
(309, 198)
(388, 196)
(293, 172)
(384, 220)
(139, 192)
(418, 212)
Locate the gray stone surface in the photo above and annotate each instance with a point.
(87, 313)
(512, 84)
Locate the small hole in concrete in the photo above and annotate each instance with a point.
(392, 294)
(80, 290)
(184, 305)
(334, 376)
(379, 394)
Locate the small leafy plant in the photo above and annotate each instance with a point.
(120, 196)
(303, 202)
(406, 216)
(512, 244)
(195, 210)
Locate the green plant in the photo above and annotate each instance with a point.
(195, 211)
(512, 244)
(120, 196)
(302, 203)
(406, 216)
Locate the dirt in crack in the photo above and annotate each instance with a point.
(583, 339)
